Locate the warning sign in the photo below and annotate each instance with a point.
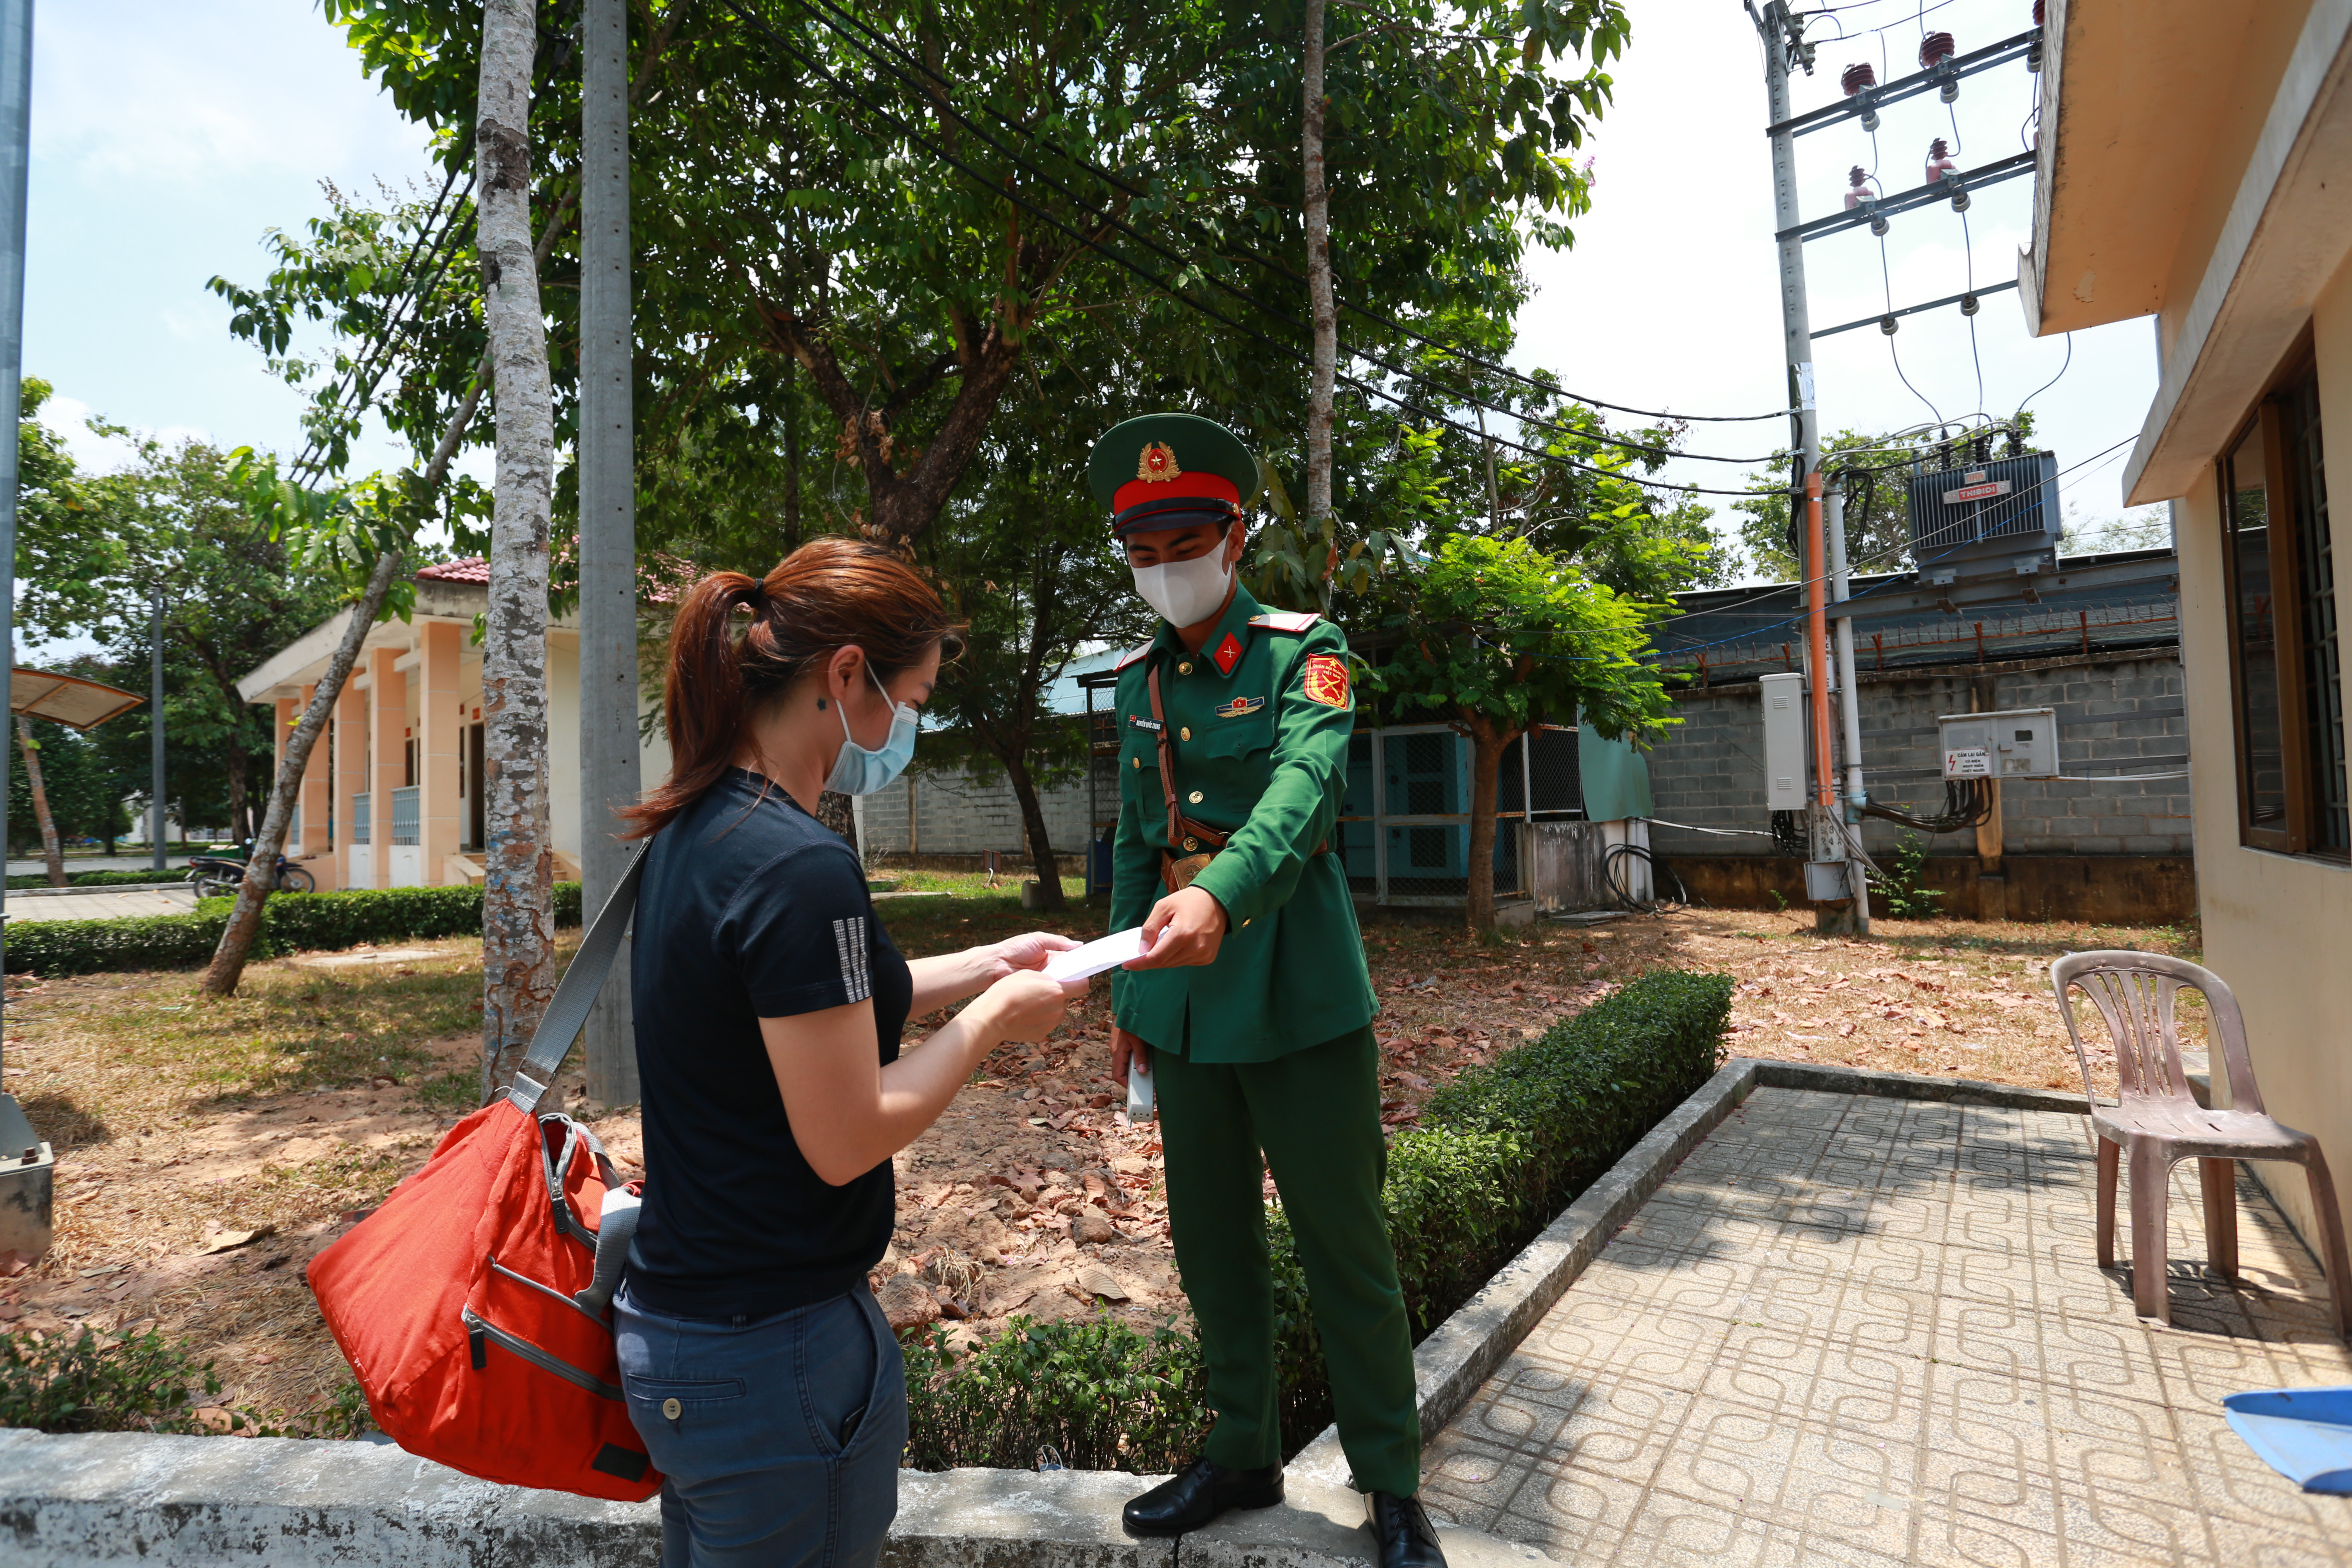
(1967, 762)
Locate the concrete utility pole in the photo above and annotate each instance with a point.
(608, 552)
(155, 730)
(1850, 708)
(1827, 835)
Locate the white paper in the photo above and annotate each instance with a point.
(1138, 1092)
(1103, 952)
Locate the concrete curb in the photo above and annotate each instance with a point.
(113, 1497)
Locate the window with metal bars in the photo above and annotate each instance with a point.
(2285, 656)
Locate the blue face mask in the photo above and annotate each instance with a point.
(858, 771)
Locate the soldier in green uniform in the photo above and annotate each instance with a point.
(1252, 1002)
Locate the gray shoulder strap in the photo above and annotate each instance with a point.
(576, 994)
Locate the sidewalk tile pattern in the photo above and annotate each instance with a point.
(1864, 1331)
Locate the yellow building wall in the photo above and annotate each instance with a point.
(2278, 928)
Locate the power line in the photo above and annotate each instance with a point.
(1164, 286)
(1244, 252)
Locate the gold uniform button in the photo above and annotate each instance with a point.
(1183, 734)
(1138, 762)
(671, 1409)
(1192, 844)
(1184, 669)
(1194, 798)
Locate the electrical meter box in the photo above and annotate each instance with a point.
(2017, 743)
(1784, 743)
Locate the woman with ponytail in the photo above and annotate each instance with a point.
(768, 1004)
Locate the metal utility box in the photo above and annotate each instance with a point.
(27, 1185)
(1998, 518)
(1784, 743)
(2015, 743)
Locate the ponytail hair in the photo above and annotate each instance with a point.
(828, 595)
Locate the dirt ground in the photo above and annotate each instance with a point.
(207, 1149)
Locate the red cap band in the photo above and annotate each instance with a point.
(1199, 483)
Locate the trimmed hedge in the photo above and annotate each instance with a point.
(100, 878)
(1499, 1151)
(290, 922)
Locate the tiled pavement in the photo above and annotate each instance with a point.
(1869, 1331)
(104, 903)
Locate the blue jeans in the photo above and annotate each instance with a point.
(780, 1437)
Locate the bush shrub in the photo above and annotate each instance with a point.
(122, 1382)
(290, 922)
(1499, 1151)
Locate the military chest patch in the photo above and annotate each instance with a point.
(1238, 707)
(1327, 679)
(1228, 654)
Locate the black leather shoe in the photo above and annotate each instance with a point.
(1199, 1493)
(1406, 1537)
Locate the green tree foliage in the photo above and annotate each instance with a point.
(85, 798)
(1493, 637)
(176, 521)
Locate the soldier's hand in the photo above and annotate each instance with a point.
(1184, 929)
(1126, 1048)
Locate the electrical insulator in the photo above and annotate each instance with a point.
(1854, 79)
(1888, 324)
(1939, 161)
(1936, 48)
(1857, 187)
(1878, 226)
(1969, 303)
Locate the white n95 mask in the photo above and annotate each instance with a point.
(1186, 592)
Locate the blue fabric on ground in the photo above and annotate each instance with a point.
(2304, 1433)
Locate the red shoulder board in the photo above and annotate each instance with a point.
(1286, 620)
(1327, 679)
(1131, 657)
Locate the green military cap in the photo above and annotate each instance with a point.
(1168, 470)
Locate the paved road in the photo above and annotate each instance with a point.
(1872, 1333)
(100, 903)
(37, 866)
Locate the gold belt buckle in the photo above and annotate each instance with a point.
(1181, 872)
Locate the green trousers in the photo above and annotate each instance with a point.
(1316, 1114)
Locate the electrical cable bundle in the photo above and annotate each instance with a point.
(1968, 803)
(1661, 873)
(1789, 836)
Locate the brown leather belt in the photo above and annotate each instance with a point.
(1199, 841)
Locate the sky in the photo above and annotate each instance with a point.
(1670, 297)
(168, 137)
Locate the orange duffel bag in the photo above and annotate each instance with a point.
(474, 1304)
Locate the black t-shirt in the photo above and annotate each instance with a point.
(749, 909)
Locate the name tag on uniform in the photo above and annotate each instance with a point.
(1140, 723)
(1239, 707)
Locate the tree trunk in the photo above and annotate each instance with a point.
(227, 966)
(833, 809)
(1487, 744)
(51, 850)
(1323, 316)
(240, 810)
(518, 881)
(1033, 825)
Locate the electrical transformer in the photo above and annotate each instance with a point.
(2016, 744)
(1997, 518)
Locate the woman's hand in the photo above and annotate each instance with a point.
(1028, 951)
(1184, 928)
(1026, 1007)
(1126, 1048)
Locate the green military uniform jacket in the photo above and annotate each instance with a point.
(1260, 741)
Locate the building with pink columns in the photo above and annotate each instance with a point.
(393, 798)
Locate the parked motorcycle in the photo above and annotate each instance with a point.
(217, 876)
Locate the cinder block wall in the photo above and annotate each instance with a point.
(957, 816)
(2120, 714)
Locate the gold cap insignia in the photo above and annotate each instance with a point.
(1156, 463)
